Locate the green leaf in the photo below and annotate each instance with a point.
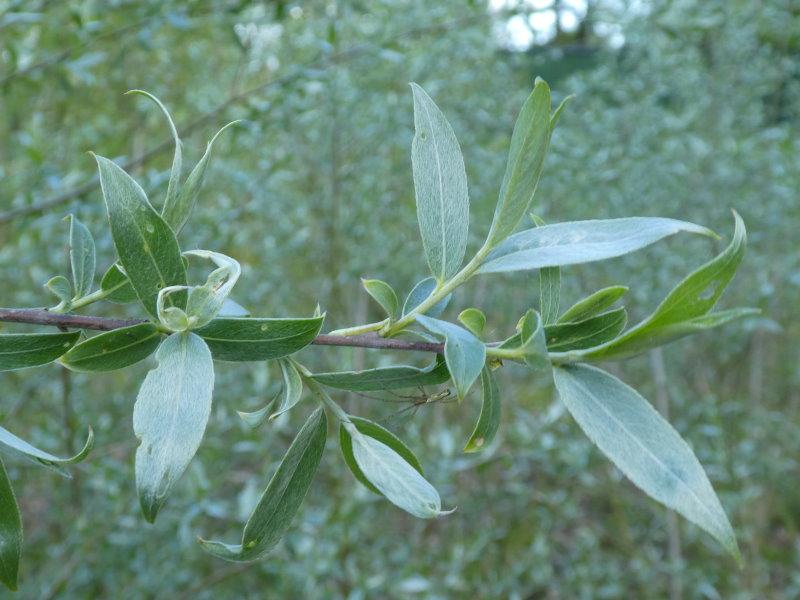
(292, 387)
(593, 304)
(578, 242)
(489, 419)
(386, 378)
(235, 339)
(529, 343)
(61, 289)
(375, 431)
(257, 417)
(177, 161)
(9, 441)
(684, 311)
(526, 156)
(177, 213)
(147, 248)
(440, 184)
(474, 320)
(392, 475)
(170, 416)
(283, 496)
(113, 350)
(549, 279)
(82, 257)
(21, 350)
(420, 293)
(643, 446)
(10, 532)
(204, 301)
(383, 294)
(463, 352)
(117, 286)
(587, 333)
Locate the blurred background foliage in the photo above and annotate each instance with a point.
(682, 108)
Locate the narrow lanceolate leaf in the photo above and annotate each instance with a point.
(643, 446)
(440, 184)
(283, 496)
(10, 532)
(82, 257)
(117, 286)
(489, 419)
(579, 242)
(21, 350)
(177, 161)
(113, 350)
(549, 279)
(420, 292)
(170, 416)
(292, 387)
(147, 248)
(526, 156)
(393, 476)
(587, 333)
(463, 352)
(375, 431)
(474, 320)
(386, 378)
(176, 213)
(593, 304)
(237, 340)
(383, 294)
(684, 311)
(10, 442)
(257, 417)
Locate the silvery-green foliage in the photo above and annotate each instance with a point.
(82, 257)
(170, 416)
(10, 532)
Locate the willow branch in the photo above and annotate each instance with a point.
(39, 316)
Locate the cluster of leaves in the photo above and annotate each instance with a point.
(192, 325)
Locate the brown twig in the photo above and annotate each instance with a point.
(39, 316)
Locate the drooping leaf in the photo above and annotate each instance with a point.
(421, 291)
(463, 352)
(9, 441)
(117, 285)
(21, 350)
(489, 419)
(147, 248)
(526, 155)
(440, 184)
(177, 161)
(10, 532)
(113, 350)
(593, 304)
(394, 476)
(386, 378)
(643, 446)
(61, 289)
(579, 242)
(235, 339)
(383, 294)
(587, 333)
(292, 387)
(684, 311)
(170, 416)
(474, 320)
(281, 500)
(379, 433)
(82, 257)
(177, 213)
